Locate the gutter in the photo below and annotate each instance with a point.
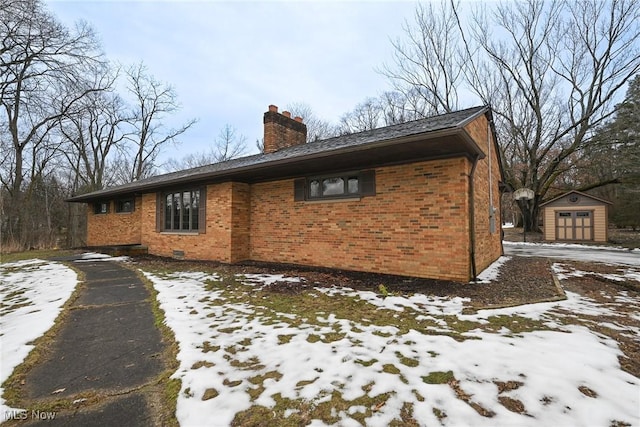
(472, 228)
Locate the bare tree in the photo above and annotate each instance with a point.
(400, 107)
(317, 128)
(550, 70)
(227, 145)
(92, 134)
(42, 69)
(559, 70)
(153, 101)
(427, 62)
(365, 116)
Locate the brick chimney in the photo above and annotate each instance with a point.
(281, 131)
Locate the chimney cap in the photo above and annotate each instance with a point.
(286, 114)
(298, 119)
(273, 108)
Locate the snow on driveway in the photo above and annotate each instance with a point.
(575, 252)
(234, 354)
(33, 293)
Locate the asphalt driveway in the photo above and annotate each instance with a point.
(575, 252)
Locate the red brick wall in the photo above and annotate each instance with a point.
(488, 245)
(214, 244)
(240, 222)
(113, 228)
(415, 225)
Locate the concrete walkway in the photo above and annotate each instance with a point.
(108, 346)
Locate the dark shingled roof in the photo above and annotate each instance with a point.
(300, 159)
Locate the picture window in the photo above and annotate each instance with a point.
(181, 210)
(337, 186)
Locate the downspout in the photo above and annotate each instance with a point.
(472, 228)
(492, 209)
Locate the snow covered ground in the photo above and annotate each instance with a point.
(521, 366)
(410, 357)
(575, 252)
(33, 293)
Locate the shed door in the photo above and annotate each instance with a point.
(583, 226)
(574, 225)
(564, 226)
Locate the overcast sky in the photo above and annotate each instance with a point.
(228, 60)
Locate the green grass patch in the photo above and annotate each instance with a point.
(516, 324)
(229, 383)
(313, 338)
(304, 383)
(210, 393)
(439, 413)
(366, 362)
(229, 330)
(406, 417)
(36, 254)
(438, 377)
(245, 342)
(303, 411)
(284, 339)
(252, 363)
(170, 387)
(201, 364)
(407, 361)
(330, 337)
(207, 347)
(390, 369)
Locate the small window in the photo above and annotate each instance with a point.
(125, 205)
(337, 186)
(101, 208)
(583, 214)
(564, 214)
(314, 188)
(353, 186)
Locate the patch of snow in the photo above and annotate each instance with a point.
(491, 273)
(94, 256)
(562, 273)
(417, 302)
(44, 287)
(507, 225)
(267, 279)
(551, 364)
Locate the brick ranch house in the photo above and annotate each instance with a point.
(414, 199)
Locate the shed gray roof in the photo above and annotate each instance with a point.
(393, 144)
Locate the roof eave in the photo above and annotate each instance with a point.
(457, 130)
